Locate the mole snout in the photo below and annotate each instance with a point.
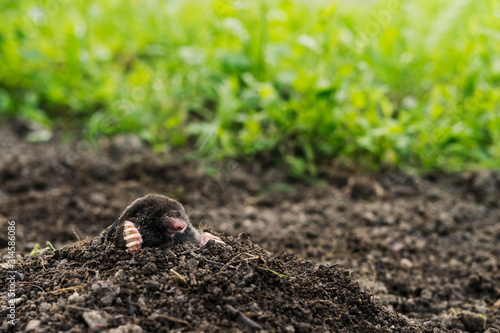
(152, 221)
(173, 225)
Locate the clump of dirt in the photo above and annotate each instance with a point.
(425, 248)
(237, 286)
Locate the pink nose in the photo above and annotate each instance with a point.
(178, 224)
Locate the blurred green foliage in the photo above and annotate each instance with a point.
(411, 83)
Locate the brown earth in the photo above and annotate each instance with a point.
(387, 252)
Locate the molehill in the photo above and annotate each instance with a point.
(236, 287)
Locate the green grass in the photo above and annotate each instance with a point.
(413, 84)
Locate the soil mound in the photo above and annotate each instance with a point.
(233, 287)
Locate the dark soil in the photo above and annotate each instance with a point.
(386, 252)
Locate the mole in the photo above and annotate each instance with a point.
(152, 221)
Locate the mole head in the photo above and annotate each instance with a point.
(158, 214)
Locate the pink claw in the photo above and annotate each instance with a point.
(132, 237)
(205, 237)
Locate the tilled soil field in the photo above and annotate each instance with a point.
(386, 252)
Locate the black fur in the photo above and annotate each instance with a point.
(151, 215)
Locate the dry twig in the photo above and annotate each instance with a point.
(243, 318)
(180, 277)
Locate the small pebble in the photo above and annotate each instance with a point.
(33, 325)
(129, 328)
(76, 298)
(105, 291)
(406, 264)
(45, 307)
(94, 319)
(473, 322)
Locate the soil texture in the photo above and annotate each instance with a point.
(385, 252)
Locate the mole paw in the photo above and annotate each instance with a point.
(205, 237)
(132, 237)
